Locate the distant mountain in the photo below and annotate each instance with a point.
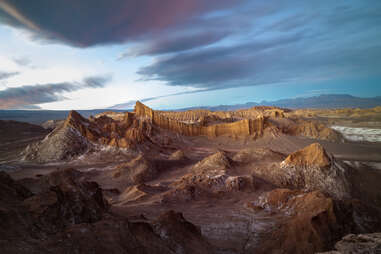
(321, 101)
(40, 116)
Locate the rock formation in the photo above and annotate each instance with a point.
(76, 134)
(69, 215)
(313, 129)
(181, 235)
(245, 127)
(310, 168)
(136, 171)
(178, 155)
(358, 244)
(312, 156)
(311, 225)
(313, 169)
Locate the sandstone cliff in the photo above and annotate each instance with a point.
(245, 127)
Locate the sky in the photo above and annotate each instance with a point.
(88, 54)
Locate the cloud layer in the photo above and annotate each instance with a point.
(27, 96)
(5, 75)
(92, 22)
(218, 44)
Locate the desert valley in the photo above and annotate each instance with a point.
(258, 180)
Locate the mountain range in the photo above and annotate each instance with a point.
(321, 101)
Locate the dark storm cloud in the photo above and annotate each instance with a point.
(28, 95)
(5, 75)
(295, 45)
(176, 44)
(93, 22)
(214, 67)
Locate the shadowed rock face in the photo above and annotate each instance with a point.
(181, 235)
(358, 244)
(65, 200)
(311, 226)
(69, 215)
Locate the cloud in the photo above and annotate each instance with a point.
(218, 44)
(5, 75)
(301, 44)
(96, 81)
(176, 44)
(93, 22)
(22, 61)
(131, 103)
(27, 96)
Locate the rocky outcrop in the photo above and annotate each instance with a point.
(358, 244)
(177, 155)
(180, 235)
(66, 200)
(209, 178)
(313, 155)
(214, 164)
(138, 170)
(310, 225)
(64, 143)
(310, 168)
(69, 215)
(313, 169)
(77, 135)
(62, 201)
(314, 130)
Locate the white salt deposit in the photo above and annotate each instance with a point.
(359, 134)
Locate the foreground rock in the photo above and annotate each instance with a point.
(358, 244)
(69, 215)
(310, 225)
(311, 221)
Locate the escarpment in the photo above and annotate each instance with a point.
(245, 127)
(77, 135)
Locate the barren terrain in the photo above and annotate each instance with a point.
(263, 180)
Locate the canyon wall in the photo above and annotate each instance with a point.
(245, 127)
